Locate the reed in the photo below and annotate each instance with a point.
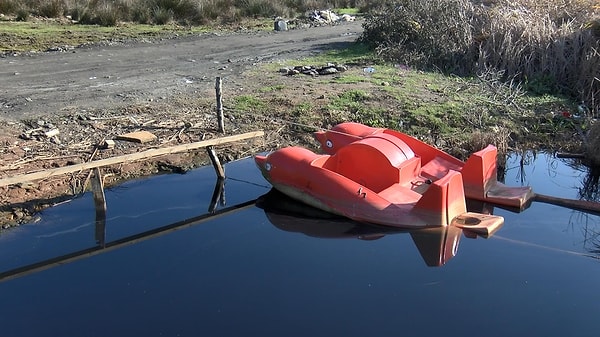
(548, 45)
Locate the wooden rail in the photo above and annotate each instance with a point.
(127, 158)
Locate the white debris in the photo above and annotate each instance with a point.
(327, 16)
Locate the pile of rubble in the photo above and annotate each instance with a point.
(327, 16)
(329, 69)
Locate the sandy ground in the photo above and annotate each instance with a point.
(57, 109)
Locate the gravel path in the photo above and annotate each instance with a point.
(32, 86)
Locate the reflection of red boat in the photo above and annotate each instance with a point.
(436, 245)
(374, 179)
(479, 172)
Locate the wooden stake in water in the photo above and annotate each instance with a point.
(218, 83)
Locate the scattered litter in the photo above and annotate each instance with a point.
(280, 25)
(369, 70)
(108, 144)
(52, 133)
(41, 133)
(137, 137)
(327, 16)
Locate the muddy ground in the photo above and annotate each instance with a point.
(58, 108)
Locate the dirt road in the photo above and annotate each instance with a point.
(109, 76)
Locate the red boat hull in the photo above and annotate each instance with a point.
(374, 179)
(479, 172)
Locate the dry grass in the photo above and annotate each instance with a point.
(548, 45)
(189, 12)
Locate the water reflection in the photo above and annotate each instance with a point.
(436, 245)
(535, 273)
(589, 189)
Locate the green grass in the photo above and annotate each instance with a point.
(248, 103)
(355, 53)
(350, 100)
(271, 88)
(41, 35)
(349, 11)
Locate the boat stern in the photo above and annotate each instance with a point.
(480, 181)
(484, 225)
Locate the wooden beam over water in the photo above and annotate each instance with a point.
(127, 158)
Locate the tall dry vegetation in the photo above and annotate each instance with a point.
(191, 12)
(548, 45)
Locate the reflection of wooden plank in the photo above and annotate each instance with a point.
(127, 158)
(137, 137)
(126, 241)
(100, 205)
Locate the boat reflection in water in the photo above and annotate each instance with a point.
(437, 245)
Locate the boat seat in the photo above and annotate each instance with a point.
(376, 162)
(437, 168)
(399, 194)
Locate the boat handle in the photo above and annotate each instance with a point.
(361, 193)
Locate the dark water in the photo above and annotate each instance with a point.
(252, 273)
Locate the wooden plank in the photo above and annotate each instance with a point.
(127, 158)
(137, 137)
(580, 205)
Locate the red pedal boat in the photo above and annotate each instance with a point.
(375, 179)
(479, 172)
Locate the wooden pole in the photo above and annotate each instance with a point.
(218, 83)
(216, 162)
(580, 205)
(126, 158)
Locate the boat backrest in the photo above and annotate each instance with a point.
(375, 162)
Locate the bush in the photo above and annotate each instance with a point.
(52, 9)
(423, 33)
(22, 14)
(162, 16)
(183, 11)
(79, 13)
(8, 6)
(554, 43)
(107, 16)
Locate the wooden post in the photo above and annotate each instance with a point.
(218, 83)
(215, 161)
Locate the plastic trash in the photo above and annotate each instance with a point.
(369, 70)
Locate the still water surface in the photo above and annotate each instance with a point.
(258, 272)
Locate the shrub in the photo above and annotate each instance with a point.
(423, 33)
(162, 16)
(8, 6)
(261, 8)
(107, 15)
(184, 11)
(52, 9)
(552, 43)
(141, 14)
(22, 14)
(79, 13)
